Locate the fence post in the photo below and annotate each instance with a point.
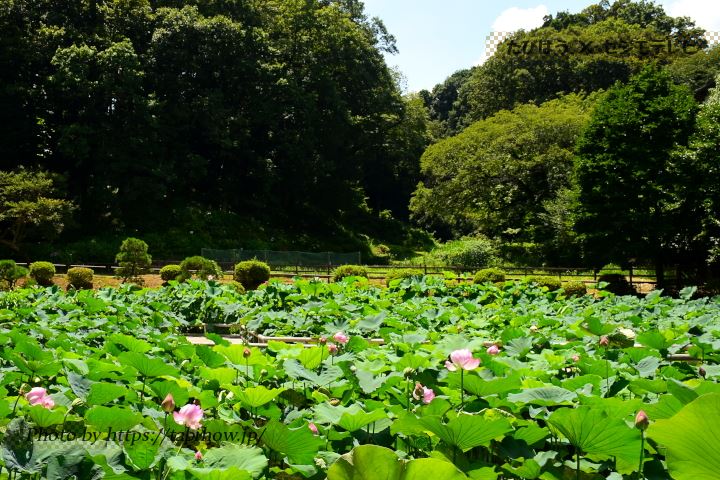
(630, 272)
(425, 264)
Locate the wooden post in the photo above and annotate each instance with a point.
(630, 272)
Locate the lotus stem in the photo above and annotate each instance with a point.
(577, 469)
(462, 389)
(642, 454)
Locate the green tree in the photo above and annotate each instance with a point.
(535, 66)
(632, 187)
(30, 203)
(133, 260)
(702, 167)
(504, 175)
(697, 71)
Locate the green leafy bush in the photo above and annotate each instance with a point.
(349, 271)
(80, 278)
(133, 260)
(551, 283)
(401, 273)
(170, 272)
(252, 273)
(237, 286)
(200, 267)
(475, 252)
(42, 273)
(10, 273)
(574, 289)
(492, 275)
(381, 253)
(617, 284)
(611, 268)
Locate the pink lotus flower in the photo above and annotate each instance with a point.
(39, 396)
(462, 359)
(313, 428)
(423, 392)
(604, 341)
(493, 350)
(641, 420)
(189, 415)
(198, 456)
(332, 348)
(341, 338)
(576, 358)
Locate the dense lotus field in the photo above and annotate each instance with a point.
(471, 381)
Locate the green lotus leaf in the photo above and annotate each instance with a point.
(691, 439)
(467, 431)
(599, 436)
(147, 366)
(372, 462)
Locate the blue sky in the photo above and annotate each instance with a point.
(438, 37)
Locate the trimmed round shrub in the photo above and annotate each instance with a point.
(551, 283)
(617, 284)
(574, 289)
(80, 278)
(133, 260)
(170, 272)
(401, 273)
(344, 271)
(251, 273)
(42, 273)
(10, 273)
(237, 286)
(491, 275)
(200, 267)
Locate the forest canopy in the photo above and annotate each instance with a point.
(233, 119)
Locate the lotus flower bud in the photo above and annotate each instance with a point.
(332, 348)
(702, 372)
(247, 353)
(418, 391)
(604, 341)
(641, 420)
(313, 428)
(168, 405)
(198, 456)
(408, 372)
(576, 358)
(322, 340)
(493, 350)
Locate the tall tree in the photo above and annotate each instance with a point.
(582, 52)
(500, 176)
(632, 186)
(30, 204)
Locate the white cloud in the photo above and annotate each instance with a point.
(516, 18)
(706, 13)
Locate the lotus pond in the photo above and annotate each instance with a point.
(506, 381)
